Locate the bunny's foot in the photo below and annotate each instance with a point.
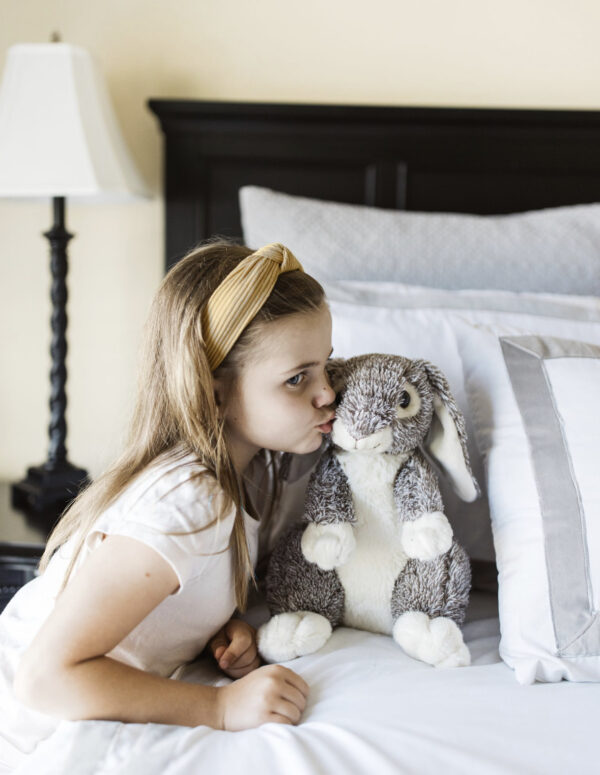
(437, 641)
(292, 634)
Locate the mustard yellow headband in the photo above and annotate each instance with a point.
(239, 297)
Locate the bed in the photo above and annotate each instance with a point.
(470, 238)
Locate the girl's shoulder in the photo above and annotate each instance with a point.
(175, 491)
(172, 474)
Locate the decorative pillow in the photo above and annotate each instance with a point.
(553, 250)
(421, 323)
(534, 402)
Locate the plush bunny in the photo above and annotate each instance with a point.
(375, 550)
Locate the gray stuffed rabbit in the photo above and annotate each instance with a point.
(375, 550)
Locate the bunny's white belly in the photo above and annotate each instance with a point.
(369, 575)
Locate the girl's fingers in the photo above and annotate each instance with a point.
(237, 630)
(218, 652)
(245, 658)
(232, 640)
(296, 681)
(295, 696)
(238, 650)
(276, 718)
(288, 711)
(240, 672)
(218, 643)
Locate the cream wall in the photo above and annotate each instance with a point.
(525, 53)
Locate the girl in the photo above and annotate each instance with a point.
(149, 563)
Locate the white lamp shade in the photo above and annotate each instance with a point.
(58, 132)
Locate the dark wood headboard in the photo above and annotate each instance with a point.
(429, 159)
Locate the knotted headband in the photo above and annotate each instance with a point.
(239, 297)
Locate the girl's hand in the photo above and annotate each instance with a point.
(272, 693)
(234, 648)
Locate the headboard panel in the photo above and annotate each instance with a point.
(429, 159)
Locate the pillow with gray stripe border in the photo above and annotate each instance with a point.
(534, 403)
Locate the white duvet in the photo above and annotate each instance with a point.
(371, 710)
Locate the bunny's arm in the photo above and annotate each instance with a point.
(328, 539)
(328, 496)
(426, 532)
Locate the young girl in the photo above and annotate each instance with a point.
(149, 563)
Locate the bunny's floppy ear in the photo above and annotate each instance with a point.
(446, 441)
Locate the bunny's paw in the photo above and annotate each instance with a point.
(438, 641)
(328, 546)
(293, 634)
(427, 537)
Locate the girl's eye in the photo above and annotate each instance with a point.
(296, 379)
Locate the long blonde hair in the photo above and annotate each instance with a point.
(175, 410)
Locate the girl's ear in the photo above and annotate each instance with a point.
(219, 392)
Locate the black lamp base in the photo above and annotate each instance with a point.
(46, 491)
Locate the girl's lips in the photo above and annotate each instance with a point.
(327, 426)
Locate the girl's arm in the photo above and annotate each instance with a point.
(65, 672)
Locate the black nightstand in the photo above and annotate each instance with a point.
(21, 545)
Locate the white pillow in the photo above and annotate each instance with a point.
(421, 323)
(534, 405)
(391, 294)
(553, 250)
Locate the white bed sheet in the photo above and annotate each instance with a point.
(371, 709)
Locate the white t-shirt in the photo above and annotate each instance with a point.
(171, 496)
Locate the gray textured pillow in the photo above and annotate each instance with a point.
(555, 250)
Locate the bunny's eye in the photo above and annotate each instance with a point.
(409, 402)
(404, 399)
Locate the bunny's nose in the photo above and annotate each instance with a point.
(377, 442)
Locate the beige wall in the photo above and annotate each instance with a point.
(525, 53)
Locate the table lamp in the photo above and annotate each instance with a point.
(58, 138)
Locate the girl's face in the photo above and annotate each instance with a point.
(282, 399)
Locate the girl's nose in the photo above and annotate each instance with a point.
(325, 396)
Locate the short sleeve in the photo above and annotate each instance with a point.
(177, 519)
